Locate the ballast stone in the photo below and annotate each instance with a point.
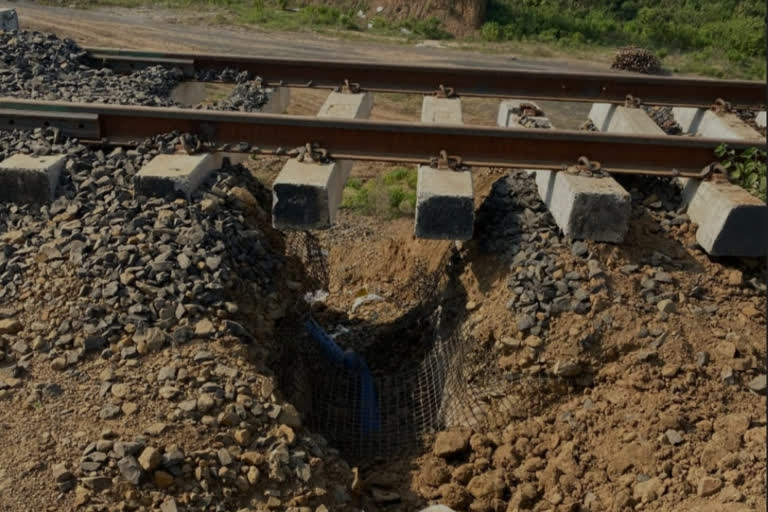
(172, 175)
(9, 20)
(444, 204)
(30, 179)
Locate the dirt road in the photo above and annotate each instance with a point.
(171, 30)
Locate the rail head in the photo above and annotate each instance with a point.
(386, 140)
(609, 87)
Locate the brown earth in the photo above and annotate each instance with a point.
(603, 445)
(600, 444)
(458, 17)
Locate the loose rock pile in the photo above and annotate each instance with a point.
(664, 118)
(134, 251)
(636, 59)
(658, 351)
(515, 220)
(101, 277)
(41, 66)
(246, 97)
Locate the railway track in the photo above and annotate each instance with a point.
(376, 140)
(409, 142)
(307, 197)
(462, 81)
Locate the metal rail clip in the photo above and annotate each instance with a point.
(312, 154)
(349, 87)
(716, 172)
(447, 162)
(585, 164)
(445, 92)
(720, 106)
(632, 102)
(530, 110)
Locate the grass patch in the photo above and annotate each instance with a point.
(717, 38)
(387, 196)
(747, 169)
(713, 37)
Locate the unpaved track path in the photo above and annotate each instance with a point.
(169, 30)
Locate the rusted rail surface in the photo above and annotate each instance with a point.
(377, 140)
(465, 81)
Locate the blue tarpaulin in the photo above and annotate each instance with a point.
(369, 405)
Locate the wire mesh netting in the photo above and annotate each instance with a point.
(382, 400)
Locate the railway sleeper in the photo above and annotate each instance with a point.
(731, 221)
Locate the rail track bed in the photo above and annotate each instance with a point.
(586, 348)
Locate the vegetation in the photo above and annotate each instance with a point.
(748, 168)
(387, 196)
(276, 15)
(719, 36)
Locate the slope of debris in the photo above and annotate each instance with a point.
(43, 67)
(133, 335)
(664, 375)
(40, 66)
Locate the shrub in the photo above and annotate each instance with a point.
(748, 169)
(386, 196)
(492, 31)
(428, 29)
(733, 30)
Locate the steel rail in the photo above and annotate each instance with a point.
(376, 140)
(465, 81)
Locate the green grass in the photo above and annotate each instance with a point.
(274, 14)
(712, 37)
(387, 196)
(747, 168)
(718, 38)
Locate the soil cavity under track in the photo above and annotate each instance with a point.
(376, 389)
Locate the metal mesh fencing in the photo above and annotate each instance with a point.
(382, 400)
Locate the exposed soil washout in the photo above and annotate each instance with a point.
(133, 338)
(594, 368)
(651, 372)
(631, 363)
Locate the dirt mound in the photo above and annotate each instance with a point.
(458, 17)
